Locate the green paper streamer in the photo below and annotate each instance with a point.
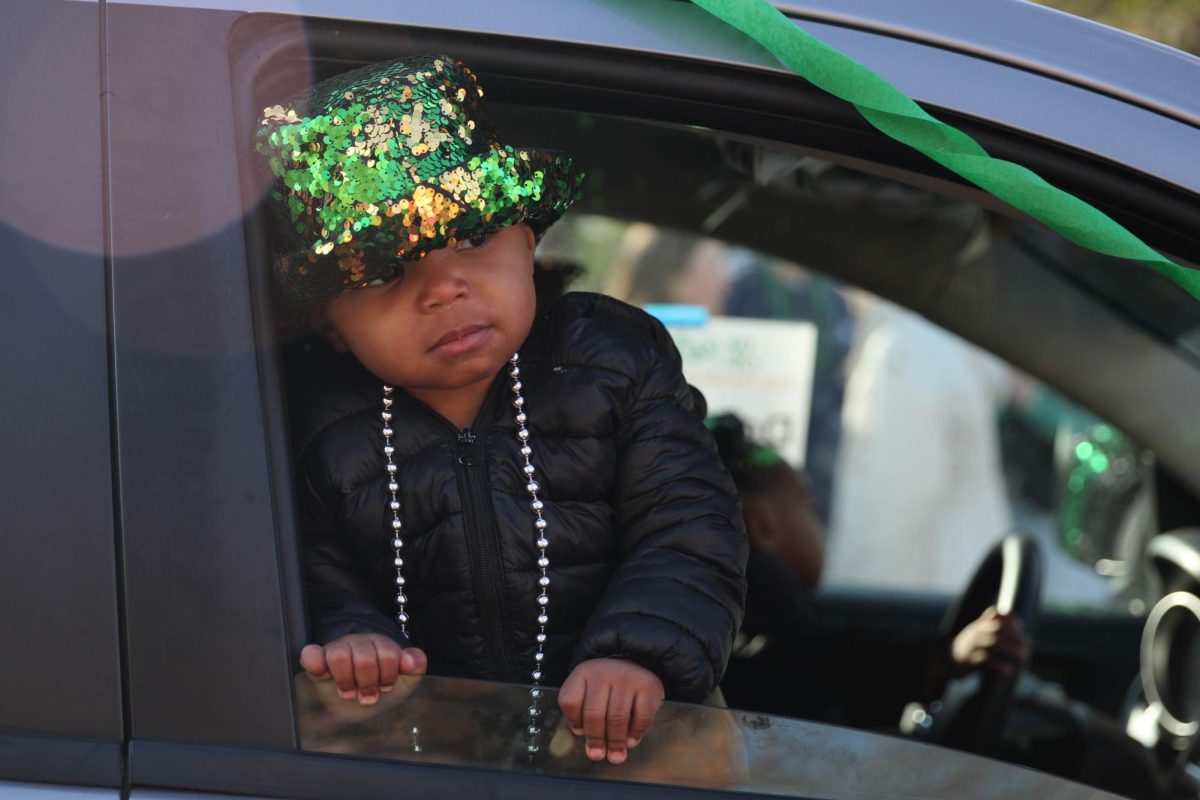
(897, 115)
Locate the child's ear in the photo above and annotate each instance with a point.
(319, 321)
(530, 238)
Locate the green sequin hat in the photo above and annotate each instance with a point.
(384, 164)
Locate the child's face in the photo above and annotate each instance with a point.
(449, 322)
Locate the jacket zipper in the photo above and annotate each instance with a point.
(483, 549)
(482, 537)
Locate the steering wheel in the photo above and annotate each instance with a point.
(973, 709)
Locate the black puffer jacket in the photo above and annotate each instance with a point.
(647, 548)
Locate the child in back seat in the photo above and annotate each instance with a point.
(486, 489)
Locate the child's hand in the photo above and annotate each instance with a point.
(610, 702)
(362, 664)
(994, 640)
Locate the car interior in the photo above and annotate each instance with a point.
(1099, 556)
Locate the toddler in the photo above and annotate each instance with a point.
(486, 489)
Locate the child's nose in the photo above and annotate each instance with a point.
(442, 283)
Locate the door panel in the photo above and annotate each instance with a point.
(58, 586)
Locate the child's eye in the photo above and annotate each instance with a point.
(478, 240)
(382, 281)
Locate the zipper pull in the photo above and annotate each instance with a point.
(466, 446)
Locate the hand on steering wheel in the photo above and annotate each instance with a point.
(987, 625)
(992, 641)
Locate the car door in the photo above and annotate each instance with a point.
(62, 719)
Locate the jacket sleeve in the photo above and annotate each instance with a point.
(676, 599)
(338, 596)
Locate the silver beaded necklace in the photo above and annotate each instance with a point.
(539, 522)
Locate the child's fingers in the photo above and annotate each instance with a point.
(366, 669)
(595, 720)
(570, 700)
(388, 653)
(413, 661)
(341, 667)
(312, 661)
(620, 707)
(645, 706)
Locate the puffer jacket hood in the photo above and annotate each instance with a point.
(647, 547)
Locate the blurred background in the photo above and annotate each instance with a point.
(1173, 22)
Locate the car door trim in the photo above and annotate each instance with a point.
(309, 776)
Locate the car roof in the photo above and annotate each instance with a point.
(1049, 74)
(1014, 32)
(1035, 38)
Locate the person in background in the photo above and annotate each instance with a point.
(920, 493)
(769, 670)
(660, 265)
(761, 290)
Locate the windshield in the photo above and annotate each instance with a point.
(434, 720)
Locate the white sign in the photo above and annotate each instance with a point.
(761, 370)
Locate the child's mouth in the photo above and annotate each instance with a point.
(461, 340)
